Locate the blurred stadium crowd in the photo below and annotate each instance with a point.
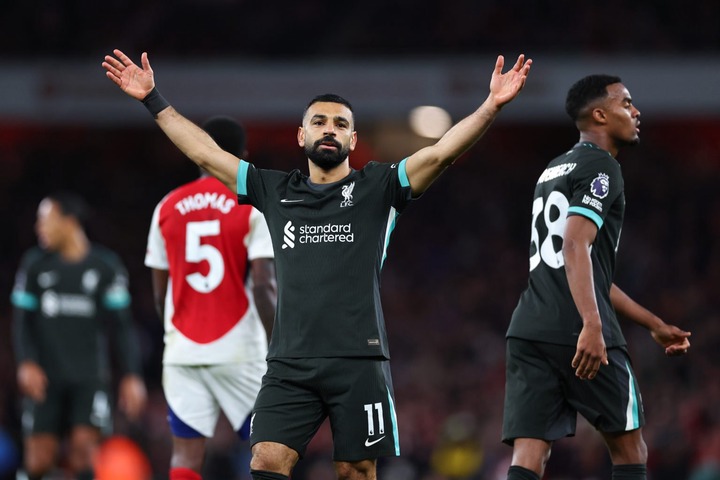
(458, 260)
(210, 28)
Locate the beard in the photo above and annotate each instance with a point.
(327, 159)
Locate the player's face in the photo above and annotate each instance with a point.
(623, 117)
(327, 134)
(50, 225)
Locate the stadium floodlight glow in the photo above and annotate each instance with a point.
(429, 121)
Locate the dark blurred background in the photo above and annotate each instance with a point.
(458, 260)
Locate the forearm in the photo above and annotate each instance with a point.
(427, 164)
(264, 289)
(24, 342)
(465, 133)
(633, 311)
(266, 303)
(199, 147)
(160, 280)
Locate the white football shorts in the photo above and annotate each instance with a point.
(196, 394)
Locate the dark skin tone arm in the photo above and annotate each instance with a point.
(580, 234)
(262, 272)
(159, 286)
(674, 340)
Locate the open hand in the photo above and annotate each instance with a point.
(133, 80)
(504, 87)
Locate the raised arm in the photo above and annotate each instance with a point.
(424, 166)
(198, 146)
(674, 340)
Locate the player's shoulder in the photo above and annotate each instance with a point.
(104, 256)
(378, 169)
(33, 256)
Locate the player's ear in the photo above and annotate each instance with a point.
(301, 136)
(598, 115)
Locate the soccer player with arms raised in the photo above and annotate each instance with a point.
(328, 355)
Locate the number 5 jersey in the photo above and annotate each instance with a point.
(206, 240)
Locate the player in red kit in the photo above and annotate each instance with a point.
(214, 285)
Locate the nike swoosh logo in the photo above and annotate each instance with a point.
(368, 443)
(285, 200)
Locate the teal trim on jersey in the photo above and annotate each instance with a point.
(24, 300)
(632, 415)
(392, 220)
(402, 173)
(393, 416)
(242, 177)
(116, 298)
(586, 212)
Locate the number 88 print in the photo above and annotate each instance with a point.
(554, 216)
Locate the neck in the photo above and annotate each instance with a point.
(320, 176)
(76, 247)
(601, 141)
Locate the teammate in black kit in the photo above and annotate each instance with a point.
(328, 355)
(565, 350)
(64, 293)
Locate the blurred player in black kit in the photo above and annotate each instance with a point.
(65, 292)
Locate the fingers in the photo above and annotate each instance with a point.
(518, 65)
(587, 366)
(678, 349)
(145, 61)
(123, 58)
(499, 64)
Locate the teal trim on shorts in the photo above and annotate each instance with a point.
(242, 178)
(402, 174)
(586, 212)
(396, 436)
(24, 300)
(633, 420)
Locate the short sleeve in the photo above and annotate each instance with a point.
(155, 253)
(248, 184)
(259, 243)
(117, 295)
(596, 184)
(396, 182)
(25, 295)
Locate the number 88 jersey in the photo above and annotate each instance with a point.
(585, 181)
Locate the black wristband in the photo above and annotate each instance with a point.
(154, 102)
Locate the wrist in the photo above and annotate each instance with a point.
(154, 102)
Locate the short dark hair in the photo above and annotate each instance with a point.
(71, 205)
(585, 91)
(227, 133)
(328, 97)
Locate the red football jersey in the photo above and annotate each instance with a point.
(205, 239)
